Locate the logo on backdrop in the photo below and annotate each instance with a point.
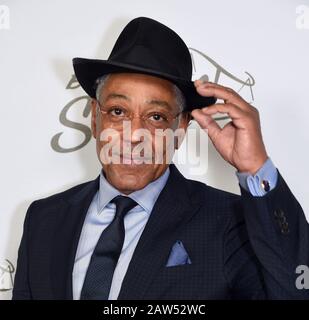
(6, 275)
(201, 62)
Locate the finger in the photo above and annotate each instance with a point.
(238, 116)
(198, 82)
(220, 92)
(206, 122)
(231, 109)
(219, 86)
(201, 81)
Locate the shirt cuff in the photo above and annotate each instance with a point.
(262, 182)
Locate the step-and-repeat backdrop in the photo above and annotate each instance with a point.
(259, 48)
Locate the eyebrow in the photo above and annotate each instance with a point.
(156, 102)
(117, 96)
(161, 103)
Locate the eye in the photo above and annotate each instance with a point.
(116, 111)
(157, 117)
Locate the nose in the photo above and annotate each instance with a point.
(136, 123)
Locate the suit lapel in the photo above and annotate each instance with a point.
(170, 212)
(71, 216)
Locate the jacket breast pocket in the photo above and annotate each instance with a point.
(178, 282)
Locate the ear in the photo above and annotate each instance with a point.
(93, 103)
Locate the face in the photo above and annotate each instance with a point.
(144, 102)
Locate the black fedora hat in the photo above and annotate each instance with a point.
(149, 47)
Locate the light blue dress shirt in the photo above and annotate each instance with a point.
(101, 213)
(254, 184)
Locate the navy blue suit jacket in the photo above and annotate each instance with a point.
(240, 247)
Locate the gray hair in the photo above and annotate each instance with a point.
(179, 96)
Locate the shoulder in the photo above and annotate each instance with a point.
(216, 206)
(210, 194)
(69, 195)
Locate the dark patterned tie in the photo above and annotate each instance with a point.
(104, 258)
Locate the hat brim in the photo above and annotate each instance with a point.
(87, 71)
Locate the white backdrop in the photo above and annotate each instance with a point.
(38, 39)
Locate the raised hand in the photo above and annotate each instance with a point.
(240, 141)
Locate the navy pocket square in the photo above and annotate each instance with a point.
(178, 255)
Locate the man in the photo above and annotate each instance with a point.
(141, 230)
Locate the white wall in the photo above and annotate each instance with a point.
(261, 37)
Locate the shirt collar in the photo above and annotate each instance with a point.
(145, 197)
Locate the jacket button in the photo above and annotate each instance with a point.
(285, 228)
(279, 213)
